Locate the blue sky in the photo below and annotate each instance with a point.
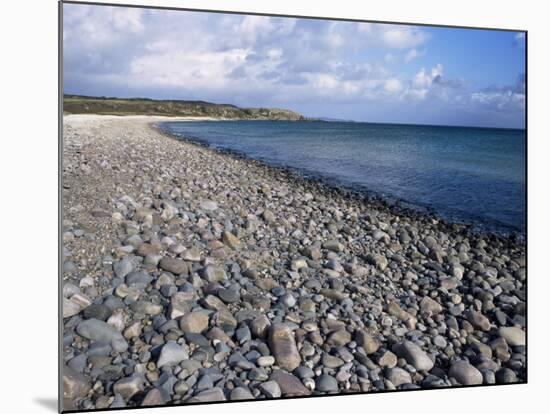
(361, 71)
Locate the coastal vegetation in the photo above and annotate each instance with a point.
(78, 104)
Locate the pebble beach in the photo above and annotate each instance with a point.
(191, 275)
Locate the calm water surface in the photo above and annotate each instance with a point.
(473, 175)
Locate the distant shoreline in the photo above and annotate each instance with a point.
(77, 104)
(106, 105)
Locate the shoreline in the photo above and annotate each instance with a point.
(393, 205)
(191, 275)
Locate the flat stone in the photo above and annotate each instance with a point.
(231, 240)
(388, 360)
(333, 294)
(214, 303)
(505, 376)
(208, 205)
(100, 331)
(139, 279)
(171, 354)
(79, 362)
(513, 335)
(133, 330)
(290, 385)
(283, 347)
(75, 385)
(381, 235)
(180, 304)
(240, 393)
(97, 311)
(288, 300)
(214, 274)
(398, 376)
(449, 283)
(172, 265)
(81, 300)
(298, 264)
(146, 308)
(465, 373)
(123, 267)
(265, 361)
(229, 295)
(129, 386)
(369, 343)
(191, 255)
(238, 360)
(439, 341)
(257, 374)
(70, 308)
(414, 355)
(205, 382)
(194, 322)
(330, 361)
(395, 310)
(428, 305)
(313, 253)
(153, 397)
(304, 372)
(268, 216)
(340, 337)
(334, 245)
(478, 320)
(326, 383)
(225, 320)
(270, 389)
(243, 334)
(148, 249)
(259, 327)
(69, 289)
(378, 260)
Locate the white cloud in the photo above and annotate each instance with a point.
(432, 83)
(95, 27)
(393, 85)
(205, 71)
(253, 27)
(401, 37)
(412, 55)
(193, 53)
(365, 27)
(501, 100)
(254, 60)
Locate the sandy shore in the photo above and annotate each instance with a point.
(191, 275)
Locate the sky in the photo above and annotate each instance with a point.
(369, 72)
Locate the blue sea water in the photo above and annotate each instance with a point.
(471, 175)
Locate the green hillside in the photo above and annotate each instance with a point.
(75, 104)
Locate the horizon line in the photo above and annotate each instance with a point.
(308, 118)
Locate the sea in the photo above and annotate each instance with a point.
(467, 175)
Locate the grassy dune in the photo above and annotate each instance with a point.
(75, 104)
